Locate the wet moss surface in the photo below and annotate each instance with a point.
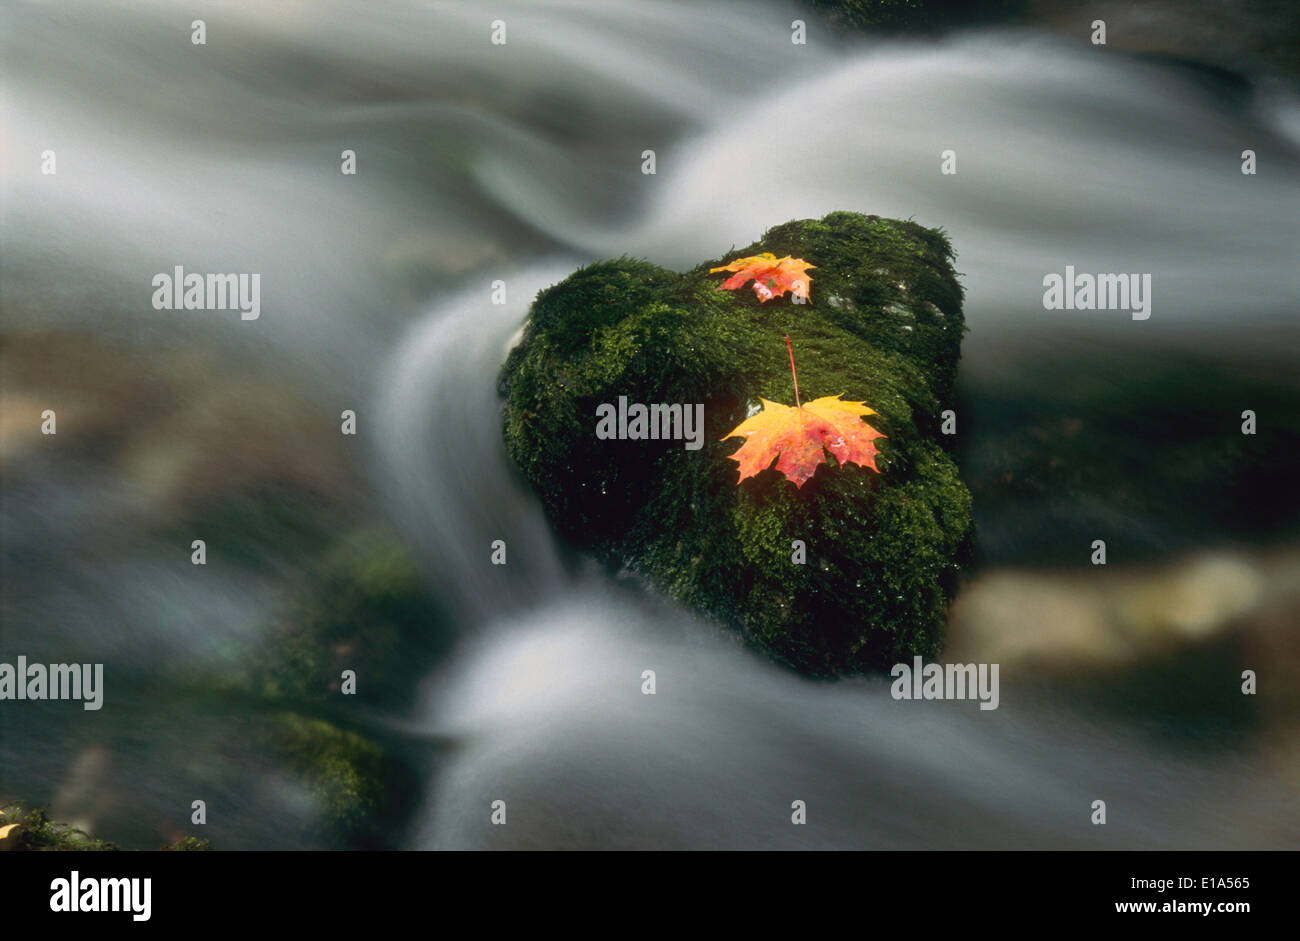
(883, 325)
(24, 828)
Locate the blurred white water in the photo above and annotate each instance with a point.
(521, 162)
(545, 701)
(551, 719)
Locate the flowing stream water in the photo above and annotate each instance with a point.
(520, 162)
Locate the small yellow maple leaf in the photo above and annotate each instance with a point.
(773, 276)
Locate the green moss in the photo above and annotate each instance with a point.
(345, 771)
(366, 608)
(37, 832)
(188, 844)
(883, 325)
(368, 611)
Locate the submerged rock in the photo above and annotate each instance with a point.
(883, 325)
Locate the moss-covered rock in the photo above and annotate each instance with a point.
(883, 325)
(367, 611)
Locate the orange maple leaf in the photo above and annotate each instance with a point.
(797, 436)
(772, 276)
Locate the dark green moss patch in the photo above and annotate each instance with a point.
(368, 611)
